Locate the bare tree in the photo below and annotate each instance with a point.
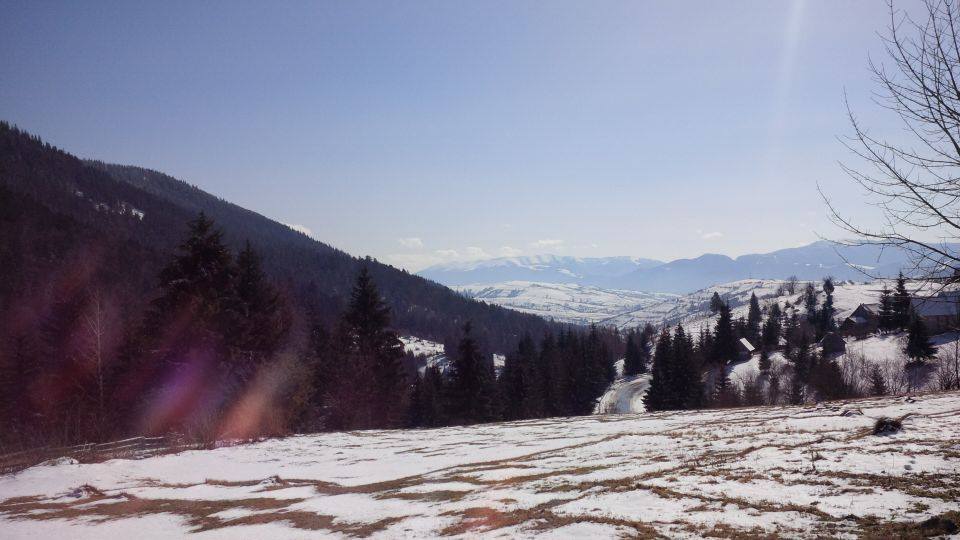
(915, 185)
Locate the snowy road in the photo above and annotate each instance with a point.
(624, 396)
(771, 472)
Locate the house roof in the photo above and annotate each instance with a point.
(746, 345)
(832, 338)
(936, 305)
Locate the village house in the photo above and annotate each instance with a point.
(745, 348)
(862, 322)
(940, 313)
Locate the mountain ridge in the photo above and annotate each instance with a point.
(809, 262)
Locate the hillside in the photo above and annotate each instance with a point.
(563, 302)
(800, 472)
(596, 271)
(95, 207)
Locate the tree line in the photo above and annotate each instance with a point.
(222, 351)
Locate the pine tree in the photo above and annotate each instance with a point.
(259, 317)
(659, 393)
(597, 372)
(377, 352)
(826, 320)
(686, 385)
(551, 376)
(901, 303)
(427, 399)
(716, 302)
(887, 319)
(801, 371)
(772, 327)
(764, 362)
(878, 385)
(754, 318)
(632, 362)
(919, 347)
(472, 384)
(519, 390)
(810, 304)
(196, 286)
(724, 340)
(644, 345)
(724, 393)
(533, 404)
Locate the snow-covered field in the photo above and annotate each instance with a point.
(562, 302)
(783, 471)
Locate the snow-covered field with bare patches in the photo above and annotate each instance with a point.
(814, 471)
(563, 302)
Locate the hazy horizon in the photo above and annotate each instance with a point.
(432, 133)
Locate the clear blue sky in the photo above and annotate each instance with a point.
(418, 132)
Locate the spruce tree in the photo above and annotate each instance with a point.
(686, 385)
(551, 376)
(377, 352)
(801, 371)
(826, 321)
(259, 317)
(810, 304)
(724, 392)
(645, 343)
(919, 347)
(427, 399)
(196, 286)
(533, 404)
(519, 390)
(772, 327)
(632, 362)
(878, 385)
(887, 319)
(764, 363)
(472, 384)
(716, 302)
(901, 303)
(754, 318)
(659, 393)
(724, 339)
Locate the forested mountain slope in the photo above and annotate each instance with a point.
(101, 206)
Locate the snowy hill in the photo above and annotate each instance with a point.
(540, 268)
(563, 302)
(696, 305)
(793, 472)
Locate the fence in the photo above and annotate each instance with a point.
(133, 448)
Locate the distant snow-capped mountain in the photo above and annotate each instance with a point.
(563, 302)
(811, 262)
(539, 268)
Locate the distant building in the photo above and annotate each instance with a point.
(940, 313)
(745, 348)
(862, 322)
(832, 343)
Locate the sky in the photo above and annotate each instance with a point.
(423, 132)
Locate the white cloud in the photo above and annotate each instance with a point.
(547, 243)
(411, 242)
(507, 251)
(447, 253)
(301, 229)
(474, 252)
(712, 235)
